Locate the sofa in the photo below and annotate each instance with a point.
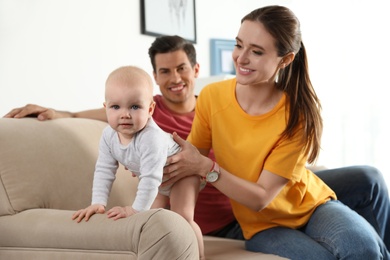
(46, 173)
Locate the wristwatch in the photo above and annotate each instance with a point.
(213, 174)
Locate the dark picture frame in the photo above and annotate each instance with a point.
(169, 17)
(221, 57)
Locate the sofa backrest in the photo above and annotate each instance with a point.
(50, 164)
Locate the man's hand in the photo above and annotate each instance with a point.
(42, 113)
(189, 161)
(121, 212)
(88, 212)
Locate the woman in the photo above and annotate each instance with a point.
(264, 126)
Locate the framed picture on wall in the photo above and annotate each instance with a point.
(169, 17)
(221, 57)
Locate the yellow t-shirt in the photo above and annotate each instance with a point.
(244, 145)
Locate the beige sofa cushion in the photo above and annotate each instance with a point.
(51, 185)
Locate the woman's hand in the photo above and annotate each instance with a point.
(189, 161)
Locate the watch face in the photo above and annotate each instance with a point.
(212, 176)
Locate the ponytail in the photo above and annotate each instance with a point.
(303, 105)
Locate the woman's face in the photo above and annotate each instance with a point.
(255, 55)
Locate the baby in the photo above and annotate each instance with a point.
(136, 141)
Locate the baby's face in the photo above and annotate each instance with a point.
(128, 105)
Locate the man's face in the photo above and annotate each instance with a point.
(175, 76)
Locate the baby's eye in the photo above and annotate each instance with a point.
(135, 107)
(116, 107)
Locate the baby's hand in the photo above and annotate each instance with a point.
(88, 212)
(121, 212)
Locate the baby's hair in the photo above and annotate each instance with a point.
(130, 73)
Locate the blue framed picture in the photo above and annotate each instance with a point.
(221, 57)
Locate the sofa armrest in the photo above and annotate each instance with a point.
(143, 236)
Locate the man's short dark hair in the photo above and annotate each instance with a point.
(168, 43)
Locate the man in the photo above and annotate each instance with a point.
(175, 69)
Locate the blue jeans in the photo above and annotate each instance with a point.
(334, 231)
(363, 189)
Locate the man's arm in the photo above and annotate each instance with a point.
(43, 113)
(97, 114)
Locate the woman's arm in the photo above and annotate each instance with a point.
(255, 195)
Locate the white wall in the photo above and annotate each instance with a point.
(58, 53)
